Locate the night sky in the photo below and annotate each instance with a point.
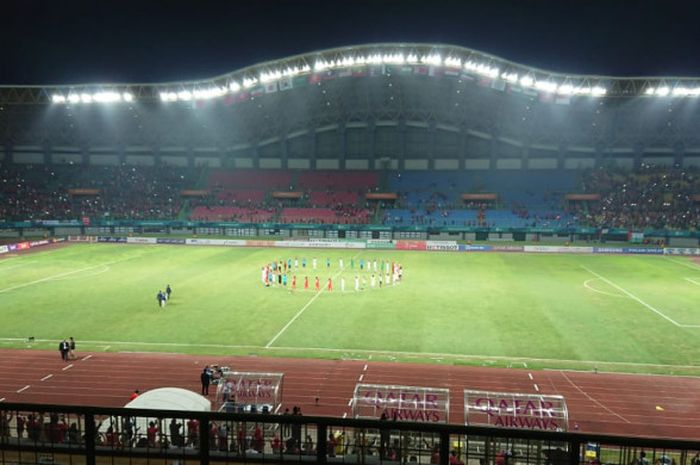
(63, 41)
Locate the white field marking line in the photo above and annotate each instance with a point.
(308, 304)
(23, 389)
(587, 286)
(697, 283)
(371, 352)
(478, 357)
(87, 357)
(60, 275)
(592, 399)
(106, 348)
(102, 271)
(640, 301)
(67, 367)
(127, 343)
(46, 377)
(692, 266)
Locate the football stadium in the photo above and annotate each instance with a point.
(435, 254)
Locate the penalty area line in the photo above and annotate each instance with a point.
(638, 300)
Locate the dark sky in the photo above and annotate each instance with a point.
(64, 41)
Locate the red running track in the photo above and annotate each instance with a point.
(598, 402)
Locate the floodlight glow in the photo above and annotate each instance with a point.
(234, 86)
(412, 58)
(249, 82)
(546, 86)
(650, 91)
(435, 60)
(526, 81)
(106, 97)
(319, 66)
(565, 89)
(662, 91)
(184, 95)
(74, 98)
(583, 90)
(128, 97)
(453, 62)
(58, 98)
(598, 91)
(375, 59)
(510, 77)
(86, 98)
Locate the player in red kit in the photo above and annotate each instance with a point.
(330, 285)
(306, 283)
(318, 284)
(294, 283)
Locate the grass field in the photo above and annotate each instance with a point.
(631, 313)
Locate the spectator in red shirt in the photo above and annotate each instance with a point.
(134, 395)
(151, 433)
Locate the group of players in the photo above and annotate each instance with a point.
(163, 297)
(376, 274)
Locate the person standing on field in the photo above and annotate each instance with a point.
(205, 378)
(71, 348)
(168, 291)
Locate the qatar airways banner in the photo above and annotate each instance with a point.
(442, 246)
(252, 388)
(406, 403)
(411, 245)
(514, 410)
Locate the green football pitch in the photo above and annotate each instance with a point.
(630, 313)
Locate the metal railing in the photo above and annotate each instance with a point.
(50, 434)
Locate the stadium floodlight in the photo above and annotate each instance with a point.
(184, 95)
(128, 97)
(546, 86)
(453, 62)
(527, 81)
(510, 77)
(234, 86)
(434, 59)
(56, 98)
(106, 97)
(412, 58)
(650, 91)
(582, 90)
(74, 98)
(598, 91)
(249, 82)
(375, 59)
(318, 66)
(565, 89)
(86, 98)
(662, 91)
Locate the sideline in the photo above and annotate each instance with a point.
(638, 300)
(369, 352)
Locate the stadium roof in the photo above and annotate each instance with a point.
(438, 58)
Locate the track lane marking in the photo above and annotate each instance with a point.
(595, 401)
(46, 377)
(67, 367)
(23, 389)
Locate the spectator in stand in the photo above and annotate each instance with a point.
(205, 379)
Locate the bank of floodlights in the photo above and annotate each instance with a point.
(666, 91)
(95, 97)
